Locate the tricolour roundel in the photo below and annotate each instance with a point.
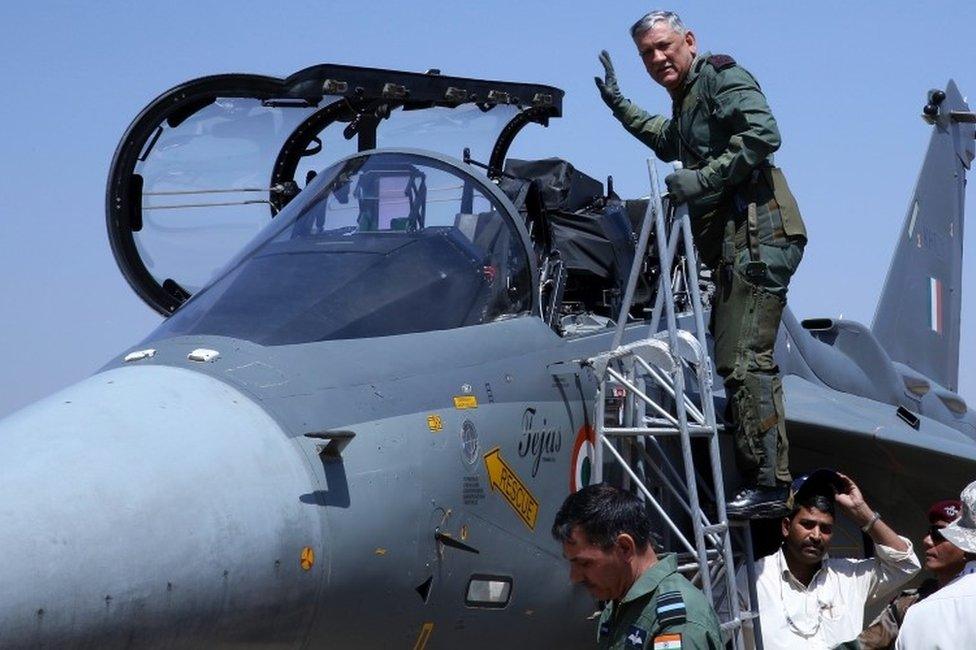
(583, 463)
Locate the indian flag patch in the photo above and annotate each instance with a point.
(935, 305)
(667, 642)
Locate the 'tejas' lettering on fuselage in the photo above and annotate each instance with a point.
(542, 444)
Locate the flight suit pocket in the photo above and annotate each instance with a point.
(707, 227)
(768, 313)
(789, 210)
(750, 454)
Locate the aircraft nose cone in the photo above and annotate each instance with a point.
(154, 506)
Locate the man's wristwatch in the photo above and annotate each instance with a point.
(866, 527)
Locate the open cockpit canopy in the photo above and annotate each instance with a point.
(209, 163)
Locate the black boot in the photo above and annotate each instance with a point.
(758, 502)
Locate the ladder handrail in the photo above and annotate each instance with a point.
(663, 356)
(679, 376)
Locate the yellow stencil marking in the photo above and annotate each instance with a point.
(504, 479)
(464, 532)
(308, 558)
(380, 551)
(465, 402)
(434, 423)
(424, 636)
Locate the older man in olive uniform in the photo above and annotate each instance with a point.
(606, 534)
(746, 225)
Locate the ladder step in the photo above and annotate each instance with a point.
(693, 431)
(719, 427)
(716, 528)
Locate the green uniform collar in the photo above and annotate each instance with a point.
(696, 66)
(693, 72)
(648, 581)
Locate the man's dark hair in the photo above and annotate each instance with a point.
(821, 499)
(602, 512)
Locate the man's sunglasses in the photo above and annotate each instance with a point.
(935, 532)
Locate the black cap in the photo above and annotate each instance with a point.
(820, 481)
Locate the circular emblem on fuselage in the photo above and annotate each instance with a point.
(469, 442)
(583, 460)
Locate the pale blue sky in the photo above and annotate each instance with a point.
(846, 82)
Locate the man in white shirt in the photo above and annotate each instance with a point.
(808, 599)
(947, 618)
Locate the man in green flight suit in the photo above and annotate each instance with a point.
(746, 225)
(606, 537)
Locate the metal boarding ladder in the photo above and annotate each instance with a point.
(660, 363)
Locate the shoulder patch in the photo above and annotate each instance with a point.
(636, 637)
(721, 61)
(667, 642)
(671, 609)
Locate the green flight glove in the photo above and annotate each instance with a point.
(684, 184)
(609, 90)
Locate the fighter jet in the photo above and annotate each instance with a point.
(364, 406)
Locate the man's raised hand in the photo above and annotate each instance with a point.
(609, 90)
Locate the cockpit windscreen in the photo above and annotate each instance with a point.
(380, 244)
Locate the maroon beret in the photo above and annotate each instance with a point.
(948, 510)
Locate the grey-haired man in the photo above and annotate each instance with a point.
(746, 225)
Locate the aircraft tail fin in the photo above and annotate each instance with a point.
(918, 316)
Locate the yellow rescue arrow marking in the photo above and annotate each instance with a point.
(425, 631)
(503, 478)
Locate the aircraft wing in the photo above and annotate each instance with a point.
(835, 429)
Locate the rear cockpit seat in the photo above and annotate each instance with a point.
(568, 215)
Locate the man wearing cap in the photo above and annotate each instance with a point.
(745, 222)
(808, 599)
(942, 558)
(947, 618)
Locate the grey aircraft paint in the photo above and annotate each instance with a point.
(918, 316)
(346, 492)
